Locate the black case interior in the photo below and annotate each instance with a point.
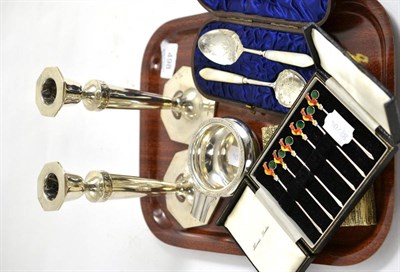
(315, 172)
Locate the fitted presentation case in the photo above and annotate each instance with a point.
(260, 25)
(314, 169)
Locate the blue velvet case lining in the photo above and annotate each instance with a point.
(251, 66)
(289, 10)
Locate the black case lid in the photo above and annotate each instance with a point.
(369, 93)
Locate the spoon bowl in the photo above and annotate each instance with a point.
(221, 46)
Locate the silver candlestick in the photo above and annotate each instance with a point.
(55, 186)
(53, 91)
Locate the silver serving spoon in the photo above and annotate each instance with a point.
(223, 46)
(287, 86)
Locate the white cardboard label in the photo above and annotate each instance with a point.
(169, 52)
(340, 130)
(234, 156)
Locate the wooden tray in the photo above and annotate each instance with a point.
(360, 26)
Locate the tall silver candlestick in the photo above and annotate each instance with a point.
(53, 91)
(55, 186)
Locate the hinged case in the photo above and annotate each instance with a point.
(339, 135)
(260, 25)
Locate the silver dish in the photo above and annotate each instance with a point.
(220, 154)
